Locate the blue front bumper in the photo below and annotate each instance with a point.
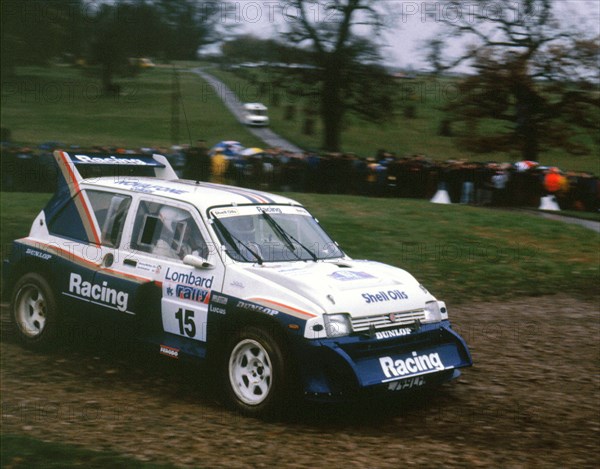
(346, 366)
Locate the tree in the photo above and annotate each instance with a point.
(346, 70)
(36, 31)
(187, 25)
(111, 44)
(249, 48)
(173, 29)
(531, 89)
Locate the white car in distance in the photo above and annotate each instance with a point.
(256, 114)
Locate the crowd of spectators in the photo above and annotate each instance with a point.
(383, 175)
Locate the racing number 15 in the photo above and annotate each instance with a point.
(186, 322)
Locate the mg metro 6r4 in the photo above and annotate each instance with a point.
(244, 281)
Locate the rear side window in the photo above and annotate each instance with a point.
(73, 222)
(93, 217)
(110, 210)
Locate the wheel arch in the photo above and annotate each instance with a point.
(23, 267)
(236, 320)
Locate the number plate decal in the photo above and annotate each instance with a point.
(184, 320)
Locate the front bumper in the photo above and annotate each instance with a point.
(258, 123)
(359, 364)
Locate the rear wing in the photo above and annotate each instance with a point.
(72, 165)
(69, 178)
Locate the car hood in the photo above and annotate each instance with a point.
(361, 288)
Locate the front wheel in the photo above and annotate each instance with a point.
(34, 313)
(257, 374)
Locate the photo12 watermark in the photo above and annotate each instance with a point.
(26, 91)
(44, 412)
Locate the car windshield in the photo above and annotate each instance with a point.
(272, 234)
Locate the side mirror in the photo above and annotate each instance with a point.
(197, 262)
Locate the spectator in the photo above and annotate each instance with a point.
(28, 169)
(197, 162)
(219, 166)
(553, 181)
(468, 183)
(499, 181)
(483, 184)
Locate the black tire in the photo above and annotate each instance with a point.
(34, 313)
(256, 373)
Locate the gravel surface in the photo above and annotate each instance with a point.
(531, 400)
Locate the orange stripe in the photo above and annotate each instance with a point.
(90, 220)
(260, 199)
(81, 260)
(80, 200)
(285, 306)
(70, 173)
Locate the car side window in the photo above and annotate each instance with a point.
(167, 231)
(68, 222)
(110, 210)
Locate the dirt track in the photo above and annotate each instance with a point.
(531, 400)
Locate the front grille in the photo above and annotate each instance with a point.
(382, 321)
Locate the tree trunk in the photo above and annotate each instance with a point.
(332, 113)
(527, 104)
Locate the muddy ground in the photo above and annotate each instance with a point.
(531, 400)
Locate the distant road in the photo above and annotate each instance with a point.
(230, 100)
(589, 224)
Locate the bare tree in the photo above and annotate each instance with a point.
(533, 77)
(346, 71)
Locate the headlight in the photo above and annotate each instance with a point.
(433, 307)
(337, 325)
(437, 309)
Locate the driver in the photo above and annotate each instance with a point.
(179, 235)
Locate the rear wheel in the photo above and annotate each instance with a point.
(33, 309)
(257, 374)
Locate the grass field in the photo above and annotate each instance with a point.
(404, 136)
(61, 103)
(460, 253)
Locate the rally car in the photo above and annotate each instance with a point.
(246, 282)
(255, 114)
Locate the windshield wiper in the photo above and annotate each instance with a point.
(287, 237)
(231, 240)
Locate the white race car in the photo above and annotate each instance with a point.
(256, 114)
(245, 281)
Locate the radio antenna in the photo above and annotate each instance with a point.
(175, 103)
(187, 125)
(175, 99)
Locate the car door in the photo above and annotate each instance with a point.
(162, 234)
(115, 292)
(74, 238)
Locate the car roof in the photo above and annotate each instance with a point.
(255, 106)
(203, 195)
